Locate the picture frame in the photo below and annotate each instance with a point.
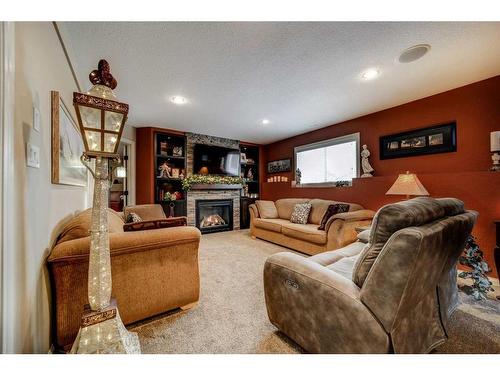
(279, 166)
(175, 172)
(425, 141)
(67, 146)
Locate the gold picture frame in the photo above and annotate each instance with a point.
(67, 146)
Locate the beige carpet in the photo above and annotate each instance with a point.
(231, 315)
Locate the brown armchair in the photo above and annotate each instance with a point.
(393, 294)
(153, 271)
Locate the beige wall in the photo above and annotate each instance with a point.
(40, 67)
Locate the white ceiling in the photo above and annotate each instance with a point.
(300, 75)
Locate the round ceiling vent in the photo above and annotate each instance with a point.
(413, 53)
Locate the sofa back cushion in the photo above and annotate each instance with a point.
(319, 207)
(79, 226)
(146, 211)
(267, 209)
(286, 206)
(390, 219)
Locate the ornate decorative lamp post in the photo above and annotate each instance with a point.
(101, 119)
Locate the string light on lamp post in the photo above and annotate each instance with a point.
(101, 119)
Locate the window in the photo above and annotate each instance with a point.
(325, 162)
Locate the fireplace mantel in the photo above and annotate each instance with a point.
(216, 187)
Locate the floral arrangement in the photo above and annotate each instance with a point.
(473, 257)
(169, 196)
(196, 179)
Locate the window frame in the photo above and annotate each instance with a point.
(326, 143)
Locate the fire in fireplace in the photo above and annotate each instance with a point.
(214, 215)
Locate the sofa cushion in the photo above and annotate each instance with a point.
(285, 206)
(388, 220)
(273, 225)
(305, 232)
(329, 257)
(79, 226)
(364, 236)
(344, 266)
(267, 209)
(300, 213)
(146, 211)
(332, 209)
(319, 207)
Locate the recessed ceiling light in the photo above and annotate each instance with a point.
(413, 53)
(265, 121)
(178, 100)
(370, 74)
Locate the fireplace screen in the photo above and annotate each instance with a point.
(214, 215)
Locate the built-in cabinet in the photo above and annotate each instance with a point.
(161, 165)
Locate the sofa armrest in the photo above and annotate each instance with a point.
(254, 211)
(303, 266)
(341, 228)
(318, 308)
(125, 242)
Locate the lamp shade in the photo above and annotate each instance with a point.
(101, 118)
(121, 172)
(495, 141)
(407, 184)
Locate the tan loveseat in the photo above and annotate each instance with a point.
(153, 270)
(271, 221)
(393, 291)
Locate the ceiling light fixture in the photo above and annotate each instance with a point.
(265, 121)
(179, 100)
(370, 74)
(413, 53)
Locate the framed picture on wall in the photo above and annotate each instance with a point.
(279, 166)
(67, 146)
(431, 140)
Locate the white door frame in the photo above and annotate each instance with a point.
(7, 70)
(130, 170)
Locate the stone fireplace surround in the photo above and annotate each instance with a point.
(206, 192)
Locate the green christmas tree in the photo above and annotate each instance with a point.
(472, 257)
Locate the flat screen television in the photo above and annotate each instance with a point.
(216, 160)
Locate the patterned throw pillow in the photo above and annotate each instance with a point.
(133, 218)
(300, 213)
(332, 209)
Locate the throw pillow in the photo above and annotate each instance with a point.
(300, 213)
(133, 218)
(332, 209)
(364, 236)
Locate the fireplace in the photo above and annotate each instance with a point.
(214, 215)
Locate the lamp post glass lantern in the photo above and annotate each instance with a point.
(101, 119)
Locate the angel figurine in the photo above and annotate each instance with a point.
(365, 163)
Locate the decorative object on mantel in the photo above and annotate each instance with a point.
(430, 140)
(365, 163)
(279, 166)
(197, 179)
(407, 184)
(472, 257)
(495, 148)
(101, 120)
(177, 151)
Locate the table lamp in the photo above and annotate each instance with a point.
(407, 184)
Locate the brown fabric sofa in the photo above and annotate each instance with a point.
(392, 294)
(271, 221)
(153, 270)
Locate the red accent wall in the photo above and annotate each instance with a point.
(461, 174)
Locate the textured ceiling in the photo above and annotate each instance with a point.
(300, 75)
